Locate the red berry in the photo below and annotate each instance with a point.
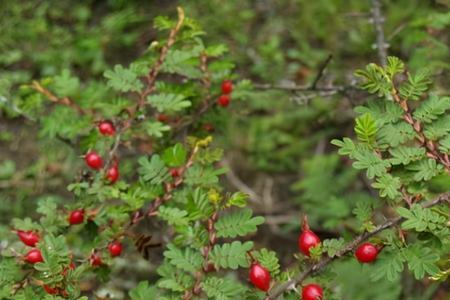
(29, 238)
(95, 260)
(260, 277)
(224, 100)
(34, 256)
(174, 173)
(307, 239)
(93, 160)
(227, 87)
(163, 118)
(366, 253)
(49, 290)
(76, 217)
(113, 174)
(208, 127)
(106, 128)
(312, 292)
(115, 248)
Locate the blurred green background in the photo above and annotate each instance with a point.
(276, 143)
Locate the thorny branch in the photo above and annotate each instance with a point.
(351, 246)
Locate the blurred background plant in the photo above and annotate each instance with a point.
(276, 143)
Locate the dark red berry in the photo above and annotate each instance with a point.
(174, 173)
(106, 128)
(163, 118)
(93, 160)
(113, 174)
(115, 248)
(259, 277)
(34, 256)
(312, 292)
(227, 87)
(49, 290)
(307, 239)
(76, 217)
(366, 253)
(29, 238)
(208, 127)
(95, 260)
(224, 100)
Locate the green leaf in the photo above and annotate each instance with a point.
(425, 169)
(216, 50)
(156, 128)
(366, 129)
(388, 266)
(65, 85)
(184, 62)
(375, 166)
(143, 291)
(424, 219)
(168, 102)
(346, 147)
(416, 85)
(222, 288)
(239, 223)
(389, 186)
(175, 156)
(333, 246)
(202, 176)
(421, 261)
(238, 199)
(153, 170)
(174, 280)
(173, 215)
(123, 80)
(394, 66)
(188, 259)
(431, 108)
(396, 134)
(376, 81)
(231, 255)
(268, 259)
(405, 155)
(444, 144)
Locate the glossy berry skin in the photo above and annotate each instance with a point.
(29, 238)
(34, 256)
(366, 253)
(224, 100)
(115, 249)
(96, 260)
(307, 240)
(107, 128)
(112, 175)
(174, 173)
(259, 277)
(227, 87)
(93, 160)
(49, 290)
(76, 217)
(312, 292)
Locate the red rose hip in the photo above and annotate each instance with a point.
(34, 256)
(95, 260)
(107, 128)
(49, 290)
(224, 100)
(76, 217)
(112, 175)
(312, 292)
(227, 87)
(307, 239)
(93, 160)
(366, 253)
(174, 172)
(29, 238)
(259, 277)
(115, 248)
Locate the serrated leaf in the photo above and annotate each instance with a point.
(143, 291)
(374, 165)
(425, 169)
(416, 85)
(65, 84)
(332, 246)
(366, 129)
(239, 223)
(187, 259)
(156, 128)
(389, 186)
(123, 80)
(346, 147)
(222, 288)
(405, 155)
(153, 170)
(268, 259)
(168, 102)
(231, 255)
(421, 261)
(388, 267)
(431, 108)
(173, 215)
(175, 156)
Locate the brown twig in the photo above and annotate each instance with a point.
(378, 21)
(321, 71)
(351, 246)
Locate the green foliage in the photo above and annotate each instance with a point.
(240, 223)
(123, 80)
(366, 128)
(222, 288)
(231, 255)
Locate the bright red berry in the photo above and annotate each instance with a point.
(93, 160)
(106, 128)
(29, 238)
(95, 260)
(115, 248)
(163, 118)
(34, 256)
(224, 100)
(49, 290)
(307, 239)
(227, 87)
(366, 253)
(113, 173)
(259, 277)
(174, 172)
(312, 292)
(76, 217)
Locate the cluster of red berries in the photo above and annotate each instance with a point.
(225, 98)
(260, 276)
(95, 161)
